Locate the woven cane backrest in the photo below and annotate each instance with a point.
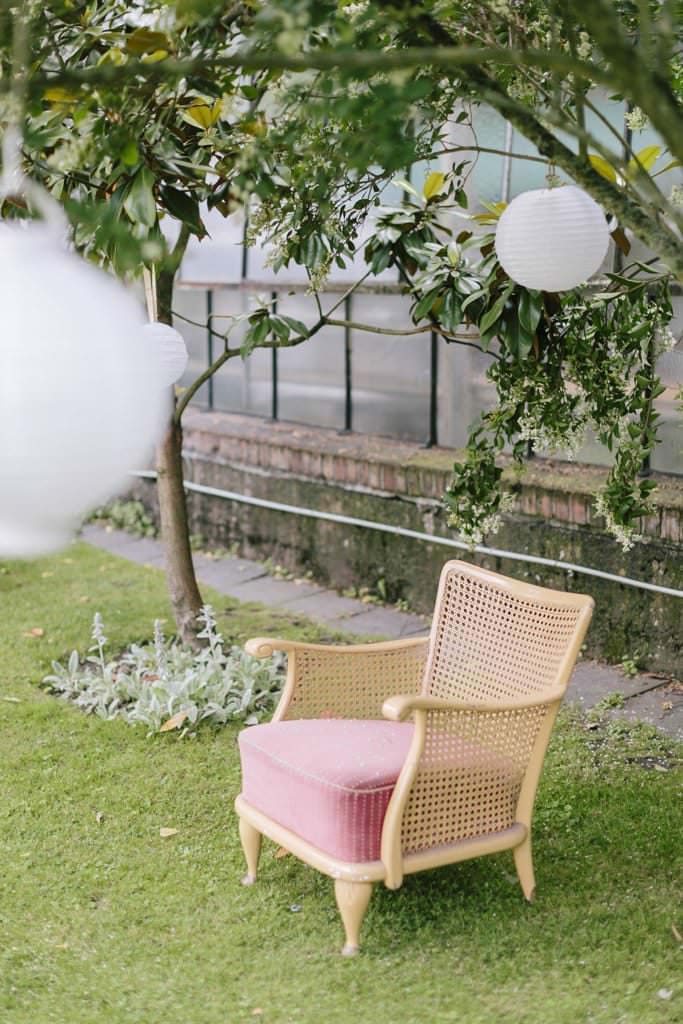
(337, 684)
(494, 639)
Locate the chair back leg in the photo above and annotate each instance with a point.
(352, 900)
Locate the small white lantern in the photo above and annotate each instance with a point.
(170, 351)
(552, 239)
(81, 401)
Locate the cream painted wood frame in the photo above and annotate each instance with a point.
(414, 663)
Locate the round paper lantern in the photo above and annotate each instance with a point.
(170, 351)
(80, 400)
(552, 239)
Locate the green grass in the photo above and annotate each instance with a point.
(105, 922)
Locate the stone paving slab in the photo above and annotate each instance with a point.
(143, 550)
(383, 622)
(592, 681)
(222, 573)
(268, 590)
(327, 607)
(661, 707)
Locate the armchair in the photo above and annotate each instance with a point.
(388, 758)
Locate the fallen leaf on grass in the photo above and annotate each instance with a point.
(166, 833)
(676, 934)
(665, 993)
(281, 852)
(12, 700)
(175, 721)
(99, 817)
(44, 575)
(257, 1011)
(36, 631)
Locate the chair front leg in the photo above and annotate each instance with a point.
(251, 844)
(525, 869)
(352, 900)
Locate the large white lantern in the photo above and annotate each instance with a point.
(81, 399)
(170, 351)
(552, 239)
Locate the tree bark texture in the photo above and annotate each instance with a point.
(180, 575)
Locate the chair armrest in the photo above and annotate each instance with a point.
(343, 680)
(400, 707)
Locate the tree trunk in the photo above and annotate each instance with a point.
(180, 575)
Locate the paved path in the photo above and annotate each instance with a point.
(646, 697)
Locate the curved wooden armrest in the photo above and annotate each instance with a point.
(264, 647)
(398, 708)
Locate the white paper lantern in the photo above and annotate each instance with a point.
(80, 399)
(552, 239)
(170, 351)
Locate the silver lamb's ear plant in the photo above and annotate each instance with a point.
(164, 685)
(160, 649)
(99, 638)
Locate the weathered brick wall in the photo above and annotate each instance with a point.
(397, 482)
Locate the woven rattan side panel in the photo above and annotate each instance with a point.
(469, 776)
(492, 645)
(339, 684)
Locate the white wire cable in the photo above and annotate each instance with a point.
(402, 531)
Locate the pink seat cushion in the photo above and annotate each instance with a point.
(327, 780)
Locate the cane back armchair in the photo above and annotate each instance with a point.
(388, 758)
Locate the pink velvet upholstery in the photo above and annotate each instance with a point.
(327, 780)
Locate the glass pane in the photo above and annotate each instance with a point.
(311, 375)
(191, 303)
(390, 374)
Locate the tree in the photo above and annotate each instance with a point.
(135, 112)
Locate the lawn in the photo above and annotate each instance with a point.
(102, 921)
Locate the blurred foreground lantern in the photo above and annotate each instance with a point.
(552, 239)
(82, 400)
(170, 351)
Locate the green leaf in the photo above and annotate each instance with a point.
(184, 208)
(139, 202)
(144, 40)
(646, 158)
(423, 306)
(433, 184)
(493, 314)
(600, 165)
(450, 313)
(529, 310)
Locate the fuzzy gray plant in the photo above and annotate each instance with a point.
(166, 686)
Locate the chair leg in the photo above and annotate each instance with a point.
(352, 900)
(251, 844)
(525, 869)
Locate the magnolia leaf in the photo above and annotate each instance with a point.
(202, 114)
(144, 40)
(174, 722)
(493, 314)
(433, 184)
(155, 57)
(603, 168)
(139, 203)
(493, 214)
(184, 208)
(644, 159)
(56, 94)
(529, 310)
(166, 833)
(621, 241)
(406, 186)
